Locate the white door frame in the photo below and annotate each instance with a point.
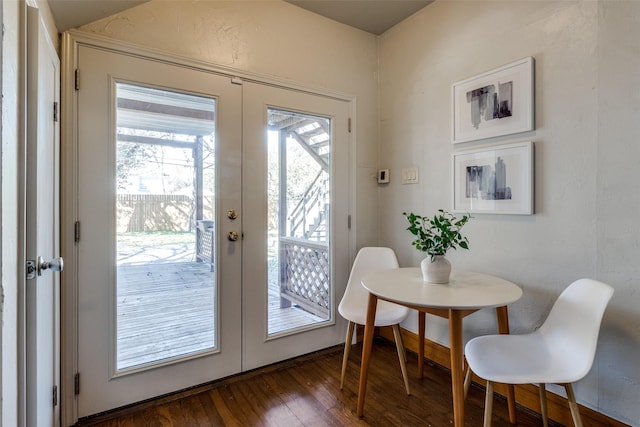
(71, 41)
(14, 77)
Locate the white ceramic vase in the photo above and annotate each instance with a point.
(437, 271)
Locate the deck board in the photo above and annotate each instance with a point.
(167, 310)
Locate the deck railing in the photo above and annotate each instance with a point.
(305, 276)
(309, 215)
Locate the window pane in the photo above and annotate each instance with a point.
(165, 192)
(299, 151)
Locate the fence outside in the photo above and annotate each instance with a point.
(159, 212)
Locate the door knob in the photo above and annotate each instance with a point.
(233, 236)
(56, 264)
(232, 214)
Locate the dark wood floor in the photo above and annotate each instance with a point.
(305, 392)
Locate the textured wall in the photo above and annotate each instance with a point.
(586, 194)
(618, 205)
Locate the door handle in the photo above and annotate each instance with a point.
(233, 236)
(56, 264)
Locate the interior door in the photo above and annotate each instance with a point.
(159, 158)
(296, 230)
(42, 347)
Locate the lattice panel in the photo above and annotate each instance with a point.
(307, 278)
(204, 239)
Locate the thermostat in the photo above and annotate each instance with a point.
(383, 176)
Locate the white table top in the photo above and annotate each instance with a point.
(465, 290)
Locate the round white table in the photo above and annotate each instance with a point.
(466, 293)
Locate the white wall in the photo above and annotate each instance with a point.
(587, 197)
(271, 38)
(618, 205)
(11, 137)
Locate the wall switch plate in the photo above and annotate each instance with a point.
(409, 176)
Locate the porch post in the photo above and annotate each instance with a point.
(282, 214)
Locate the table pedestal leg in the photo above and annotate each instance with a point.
(421, 330)
(503, 328)
(457, 368)
(366, 351)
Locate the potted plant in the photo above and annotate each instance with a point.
(436, 236)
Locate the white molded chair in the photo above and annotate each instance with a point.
(353, 306)
(561, 351)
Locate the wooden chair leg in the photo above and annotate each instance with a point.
(573, 405)
(401, 356)
(345, 355)
(543, 405)
(467, 378)
(404, 351)
(488, 404)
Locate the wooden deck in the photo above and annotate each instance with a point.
(167, 310)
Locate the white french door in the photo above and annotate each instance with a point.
(212, 230)
(158, 162)
(295, 201)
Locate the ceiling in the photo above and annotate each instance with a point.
(373, 16)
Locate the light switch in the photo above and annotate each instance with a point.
(409, 176)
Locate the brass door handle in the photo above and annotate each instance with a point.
(233, 236)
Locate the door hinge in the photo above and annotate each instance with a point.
(349, 222)
(76, 232)
(55, 111)
(77, 79)
(55, 395)
(236, 80)
(349, 124)
(76, 383)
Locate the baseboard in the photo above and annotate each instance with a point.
(527, 395)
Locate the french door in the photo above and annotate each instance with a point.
(152, 317)
(207, 215)
(295, 207)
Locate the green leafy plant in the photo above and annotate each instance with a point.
(438, 234)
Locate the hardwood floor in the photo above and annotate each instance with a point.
(305, 392)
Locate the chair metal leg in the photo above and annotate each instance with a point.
(347, 348)
(488, 404)
(573, 405)
(543, 405)
(401, 356)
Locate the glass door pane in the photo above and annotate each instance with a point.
(298, 182)
(165, 190)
